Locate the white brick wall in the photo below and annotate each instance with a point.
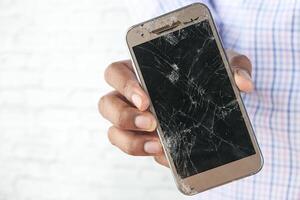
(53, 143)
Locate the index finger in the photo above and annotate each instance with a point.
(120, 75)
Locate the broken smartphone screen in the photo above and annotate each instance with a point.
(199, 115)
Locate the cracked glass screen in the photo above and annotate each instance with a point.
(190, 90)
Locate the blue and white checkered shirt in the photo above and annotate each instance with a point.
(268, 32)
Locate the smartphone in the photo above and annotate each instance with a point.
(202, 123)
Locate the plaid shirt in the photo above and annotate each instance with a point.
(268, 32)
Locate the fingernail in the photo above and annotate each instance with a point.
(244, 74)
(144, 122)
(137, 100)
(152, 147)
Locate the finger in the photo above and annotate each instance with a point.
(114, 108)
(243, 80)
(120, 75)
(161, 159)
(136, 144)
(242, 69)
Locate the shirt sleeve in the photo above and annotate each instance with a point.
(141, 10)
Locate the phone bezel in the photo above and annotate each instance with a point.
(192, 14)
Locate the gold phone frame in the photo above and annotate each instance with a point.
(170, 22)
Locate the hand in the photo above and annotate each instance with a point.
(133, 129)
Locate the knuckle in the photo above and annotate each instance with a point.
(123, 119)
(110, 70)
(128, 86)
(106, 73)
(128, 146)
(131, 148)
(110, 133)
(101, 103)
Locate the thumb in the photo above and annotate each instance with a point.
(242, 68)
(243, 79)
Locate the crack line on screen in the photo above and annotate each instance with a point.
(193, 98)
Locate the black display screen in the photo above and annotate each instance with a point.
(193, 98)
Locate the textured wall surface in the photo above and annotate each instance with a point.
(53, 143)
